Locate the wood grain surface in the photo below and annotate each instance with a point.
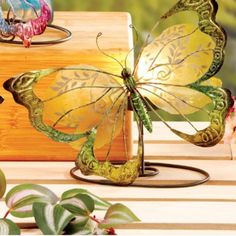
(18, 140)
(202, 210)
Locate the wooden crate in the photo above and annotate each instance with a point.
(18, 140)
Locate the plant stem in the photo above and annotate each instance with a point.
(7, 213)
(95, 219)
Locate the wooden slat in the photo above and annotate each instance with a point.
(177, 232)
(162, 134)
(173, 213)
(233, 149)
(202, 193)
(159, 215)
(185, 212)
(206, 208)
(169, 232)
(184, 151)
(164, 144)
(222, 172)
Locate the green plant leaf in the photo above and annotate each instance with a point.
(51, 219)
(20, 199)
(7, 227)
(100, 204)
(80, 204)
(2, 184)
(118, 214)
(88, 228)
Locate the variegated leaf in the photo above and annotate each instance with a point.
(118, 214)
(51, 219)
(80, 204)
(2, 184)
(20, 199)
(7, 227)
(100, 204)
(89, 228)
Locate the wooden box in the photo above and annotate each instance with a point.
(18, 139)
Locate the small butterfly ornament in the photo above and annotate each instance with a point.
(29, 18)
(172, 73)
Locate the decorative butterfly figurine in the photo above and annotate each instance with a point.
(173, 72)
(30, 18)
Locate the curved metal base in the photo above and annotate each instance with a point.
(150, 170)
(67, 37)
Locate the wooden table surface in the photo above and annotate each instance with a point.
(209, 209)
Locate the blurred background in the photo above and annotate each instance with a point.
(145, 12)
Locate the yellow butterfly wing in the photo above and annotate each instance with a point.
(179, 56)
(79, 100)
(174, 72)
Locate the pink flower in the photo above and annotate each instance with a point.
(230, 124)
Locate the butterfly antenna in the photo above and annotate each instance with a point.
(135, 43)
(105, 54)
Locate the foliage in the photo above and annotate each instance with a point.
(2, 183)
(71, 214)
(21, 198)
(8, 227)
(139, 9)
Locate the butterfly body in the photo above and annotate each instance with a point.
(136, 101)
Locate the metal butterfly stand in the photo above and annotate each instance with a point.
(147, 169)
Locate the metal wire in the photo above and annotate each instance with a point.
(150, 166)
(148, 169)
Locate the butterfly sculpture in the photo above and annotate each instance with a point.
(30, 18)
(173, 72)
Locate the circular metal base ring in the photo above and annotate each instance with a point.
(150, 166)
(68, 36)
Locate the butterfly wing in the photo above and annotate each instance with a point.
(174, 72)
(82, 106)
(78, 99)
(83, 98)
